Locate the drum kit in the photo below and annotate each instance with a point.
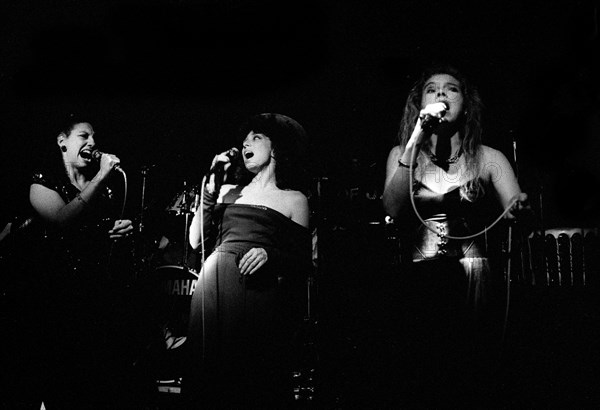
(176, 264)
(172, 267)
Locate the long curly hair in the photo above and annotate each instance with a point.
(469, 126)
(289, 142)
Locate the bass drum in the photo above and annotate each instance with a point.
(177, 284)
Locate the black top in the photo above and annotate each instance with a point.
(83, 249)
(240, 227)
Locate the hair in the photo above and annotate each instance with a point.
(469, 124)
(54, 160)
(69, 122)
(288, 139)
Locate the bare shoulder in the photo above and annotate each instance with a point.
(494, 162)
(396, 152)
(491, 154)
(294, 197)
(297, 207)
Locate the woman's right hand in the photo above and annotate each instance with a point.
(436, 110)
(108, 162)
(224, 158)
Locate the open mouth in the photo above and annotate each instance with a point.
(248, 155)
(86, 154)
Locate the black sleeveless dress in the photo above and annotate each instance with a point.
(241, 327)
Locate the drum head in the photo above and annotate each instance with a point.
(178, 284)
(177, 280)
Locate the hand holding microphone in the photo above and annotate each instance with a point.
(222, 161)
(429, 118)
(108, 162)
(219, 167)
(432, 115)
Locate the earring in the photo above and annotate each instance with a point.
(63, 148)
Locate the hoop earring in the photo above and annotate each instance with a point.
(63, 148)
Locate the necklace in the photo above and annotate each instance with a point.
(453, 159)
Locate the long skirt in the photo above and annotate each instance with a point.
(240, 337)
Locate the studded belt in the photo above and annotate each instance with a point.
(432, 240)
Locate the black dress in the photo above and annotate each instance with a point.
(241, 327)
(72, 351)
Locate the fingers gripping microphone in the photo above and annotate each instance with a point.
(97, 155)
(219, 166)
(429, 121)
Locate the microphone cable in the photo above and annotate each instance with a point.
(121, 215)
(414, 206)
(203, 260)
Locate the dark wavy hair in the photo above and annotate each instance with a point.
(289, 142)
(470, 128)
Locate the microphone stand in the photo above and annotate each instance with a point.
(185, 207)
(141, 261)
(509, 251)
(144, 172)
(316, 252)
(523, 241)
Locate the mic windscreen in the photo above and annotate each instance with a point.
(233, 153)
(96, 155)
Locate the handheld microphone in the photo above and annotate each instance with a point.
(219, 166)
(428, 121)
(97, 155)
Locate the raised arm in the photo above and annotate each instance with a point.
(202, 219)
(53, 209)
(396, 193)
(211, 193)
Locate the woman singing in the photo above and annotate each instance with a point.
(76, 229)
(456, 181)
(246, 305)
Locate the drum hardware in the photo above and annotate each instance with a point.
(144, 171)
(143, 252)
(185, 203)
(178, 284)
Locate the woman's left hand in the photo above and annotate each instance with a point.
(122, 228)
(253, 260)
(520, 207)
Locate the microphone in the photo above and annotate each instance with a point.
(428, 121)
(219, 166)
(97, 155)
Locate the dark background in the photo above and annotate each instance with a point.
(166, 84)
